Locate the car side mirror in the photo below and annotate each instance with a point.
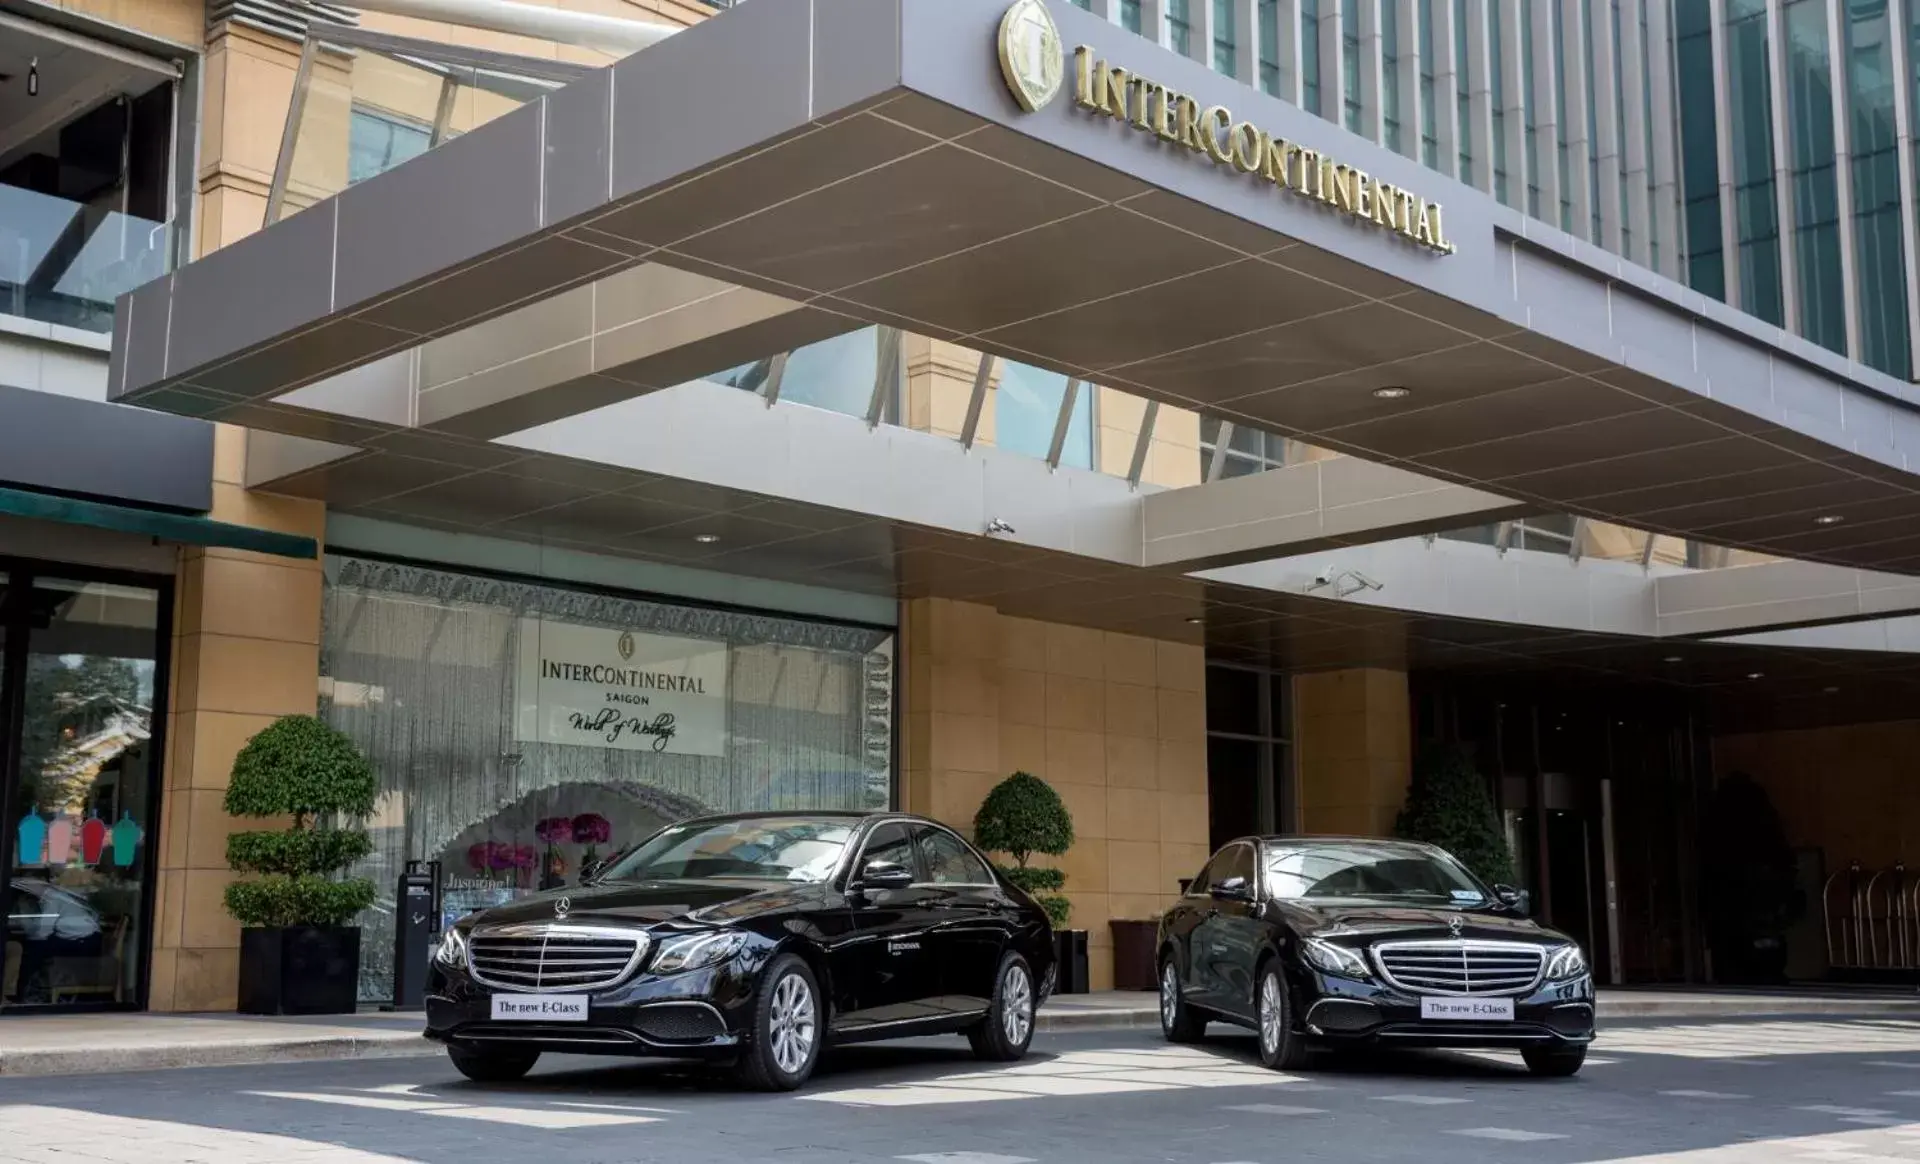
(1233, 889)
(1514, 899)
(884, 875)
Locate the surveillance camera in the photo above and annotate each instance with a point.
(1324, 577)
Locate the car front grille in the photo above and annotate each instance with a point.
(1460, 967)
(550, 957)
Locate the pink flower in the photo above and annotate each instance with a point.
(592, 829)
(521, 857)
(555, 830)
(499, 855)
(480, 855)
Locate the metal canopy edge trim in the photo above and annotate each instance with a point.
(170, 527)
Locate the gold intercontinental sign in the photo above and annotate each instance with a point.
(1212, 131)
(1031, 61)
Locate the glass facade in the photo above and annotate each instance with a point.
(82, 684)
(1815, 199)
(1881, 283)
(1755, 133)
(521, 730)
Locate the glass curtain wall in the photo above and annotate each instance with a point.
(1699, 147)
(521, 731)
(1756, 212)
(83, 698)
(1815, 200)
(1879, 247)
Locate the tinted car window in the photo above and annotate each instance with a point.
(765, 848)
(892, 843)
(1360, 870)
(1233, 861)
(949, 862)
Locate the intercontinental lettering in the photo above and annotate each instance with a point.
(1212, 132)
(607, 676)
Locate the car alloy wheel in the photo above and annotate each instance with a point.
(1169, 995)
(1016, 1009)
(792, 1023)
(1273, 1016)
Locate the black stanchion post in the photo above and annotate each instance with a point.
(416, 917)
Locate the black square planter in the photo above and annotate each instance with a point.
(1070, 952)
(300, 970)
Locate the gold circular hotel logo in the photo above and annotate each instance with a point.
(625, 643)
(1030, 55)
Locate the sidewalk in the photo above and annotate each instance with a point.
(98, 1043)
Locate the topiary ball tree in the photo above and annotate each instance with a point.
(1023, 815)
(299, 767)
(1448, 805)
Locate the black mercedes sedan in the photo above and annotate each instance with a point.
(1323, 942)
(755, 939)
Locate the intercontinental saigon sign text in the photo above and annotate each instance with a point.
(594, 687)
(1030, 58)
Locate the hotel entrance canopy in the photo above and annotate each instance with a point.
(1039, 184)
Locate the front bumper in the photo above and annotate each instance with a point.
(700, 1014)
(1344, 1011)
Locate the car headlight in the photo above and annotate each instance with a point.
(695, 951)
(1566, 962)
(1332, 959)
(451, 950)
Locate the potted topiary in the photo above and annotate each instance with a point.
(1023, 815)
(1448, 805)
(298, 955)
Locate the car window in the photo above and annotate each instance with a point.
(949, 862)
(890, 842)
(1209, 873)
(1233, 861)
(761, 848)
(1374, 871)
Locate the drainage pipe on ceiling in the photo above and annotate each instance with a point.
(581, 29)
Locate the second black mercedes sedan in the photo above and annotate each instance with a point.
(1325, 942)
(755, 939)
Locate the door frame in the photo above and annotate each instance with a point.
(21, 574)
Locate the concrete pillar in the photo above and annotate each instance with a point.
(1353, 735)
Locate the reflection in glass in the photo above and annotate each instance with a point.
(84, 795)
(1699, 147)
(835, 374)
(1756, 213)
(1878, 247)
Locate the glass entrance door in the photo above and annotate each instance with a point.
(81, 682)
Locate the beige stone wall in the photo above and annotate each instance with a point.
(246, 650)
(181, 21)
(1851, 791)
(1116, 723)
(1353, 748)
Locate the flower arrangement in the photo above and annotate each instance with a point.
(556, 830)
(591, 829)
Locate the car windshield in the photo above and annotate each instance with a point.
(760, 849)
(1371, 872)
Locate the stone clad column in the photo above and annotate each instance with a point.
(1116, 723)
(1353, 750)
(246, 650)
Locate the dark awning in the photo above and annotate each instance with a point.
(169, 527)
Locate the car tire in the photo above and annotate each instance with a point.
(1281, 1047)
(1007, 1031)
(493, 1066)
(1179, 1021)
(1554, 1062)
(786, 1028)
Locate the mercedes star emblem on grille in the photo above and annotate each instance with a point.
(561, 907)
(1455, 924)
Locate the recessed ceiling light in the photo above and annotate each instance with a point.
(706, 539)
(1756, 674)
(1833, 691)
(1196, 621)
(1673, 658)
(1392, 392)
(1829, 519)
